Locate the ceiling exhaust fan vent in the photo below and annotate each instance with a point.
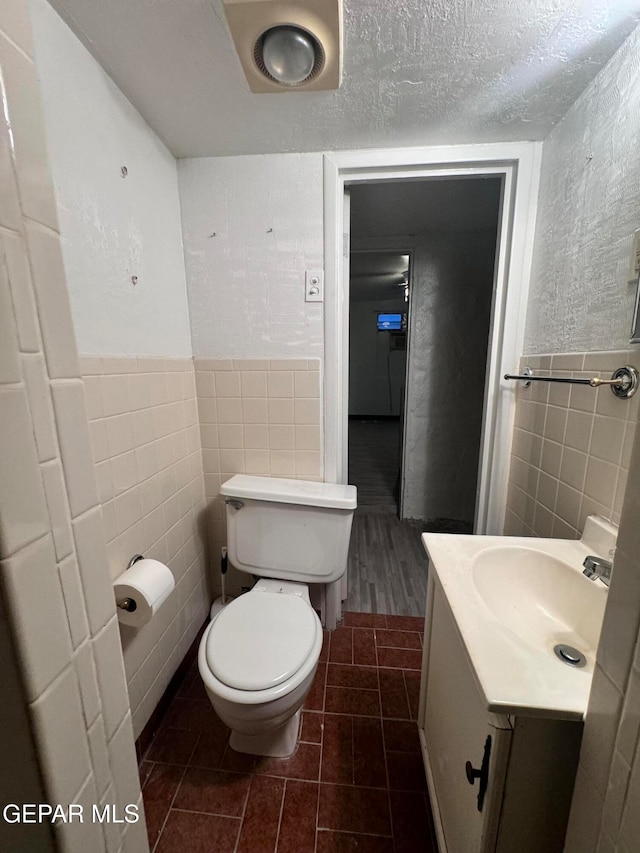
(288, 45)
(318, 55)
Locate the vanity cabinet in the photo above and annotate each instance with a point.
(497, 783)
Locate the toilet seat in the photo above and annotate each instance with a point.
(261, 639)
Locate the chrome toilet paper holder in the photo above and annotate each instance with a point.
(129, 604)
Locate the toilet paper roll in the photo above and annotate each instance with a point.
(148, 584)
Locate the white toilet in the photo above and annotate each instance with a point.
(259, 655)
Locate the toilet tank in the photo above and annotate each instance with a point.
(289, 529)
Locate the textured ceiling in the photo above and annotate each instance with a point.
(416, 72)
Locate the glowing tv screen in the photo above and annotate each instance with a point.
(390, 322)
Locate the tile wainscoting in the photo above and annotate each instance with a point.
(165, 433)
(571, 446)
(143, 419)
(257, 416)
(66, 721)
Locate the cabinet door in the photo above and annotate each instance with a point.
(456, 727)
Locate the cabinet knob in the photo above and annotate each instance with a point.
(472, 773)
(482, 774)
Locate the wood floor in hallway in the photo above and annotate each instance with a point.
(374, 461)
(387, 567)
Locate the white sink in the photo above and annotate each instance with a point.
(514, 600)
(539, 597)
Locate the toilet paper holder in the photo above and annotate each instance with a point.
(129, 604)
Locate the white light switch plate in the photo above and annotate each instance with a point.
(314, 286)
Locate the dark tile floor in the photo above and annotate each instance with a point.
(355, 783)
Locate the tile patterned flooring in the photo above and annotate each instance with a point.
(355, 783)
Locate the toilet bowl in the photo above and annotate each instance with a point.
(257, 660)
(259, 655)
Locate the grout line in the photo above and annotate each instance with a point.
(284, 794)
(184, 773)
(244, 810)
(384, 746)
(348, 832)
(153, 767)
(406, 691)
(213, 814)
(326, 677)
(315, 843)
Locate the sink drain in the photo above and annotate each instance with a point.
(569, 655)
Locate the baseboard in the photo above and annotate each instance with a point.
(155, 720)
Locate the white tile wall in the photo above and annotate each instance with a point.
(30, 164)
(74, 600)
(85, 661)
(86, 835)
(35, 378)
(23, 511)
(99, 756)
(53, 568)
(75, 445)
(146, 443)
(96, 584)
(35, 602)
(53, 302)
(21, 289)
(62, 736)
(56, 498)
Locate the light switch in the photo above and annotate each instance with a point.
(314, 286)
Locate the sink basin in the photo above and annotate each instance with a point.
(540, 598)
(526, 615)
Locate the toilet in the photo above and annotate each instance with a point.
(258, 656)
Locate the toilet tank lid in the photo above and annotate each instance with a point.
(303, 492)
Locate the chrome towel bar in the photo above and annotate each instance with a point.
(623, 382)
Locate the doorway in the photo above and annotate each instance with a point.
(449, 228)
(413, 443)
(519, 166)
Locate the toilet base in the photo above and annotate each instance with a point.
(278, 743)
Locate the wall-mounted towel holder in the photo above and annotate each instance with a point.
(623, 382)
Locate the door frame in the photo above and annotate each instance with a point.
(519, 164)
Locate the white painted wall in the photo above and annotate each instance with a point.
(448, 338)
(376, 373)
(112, 227)
(251, 226)
(589, 206)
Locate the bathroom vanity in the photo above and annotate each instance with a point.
(501, 714)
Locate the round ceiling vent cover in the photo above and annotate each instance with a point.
(288, 55)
